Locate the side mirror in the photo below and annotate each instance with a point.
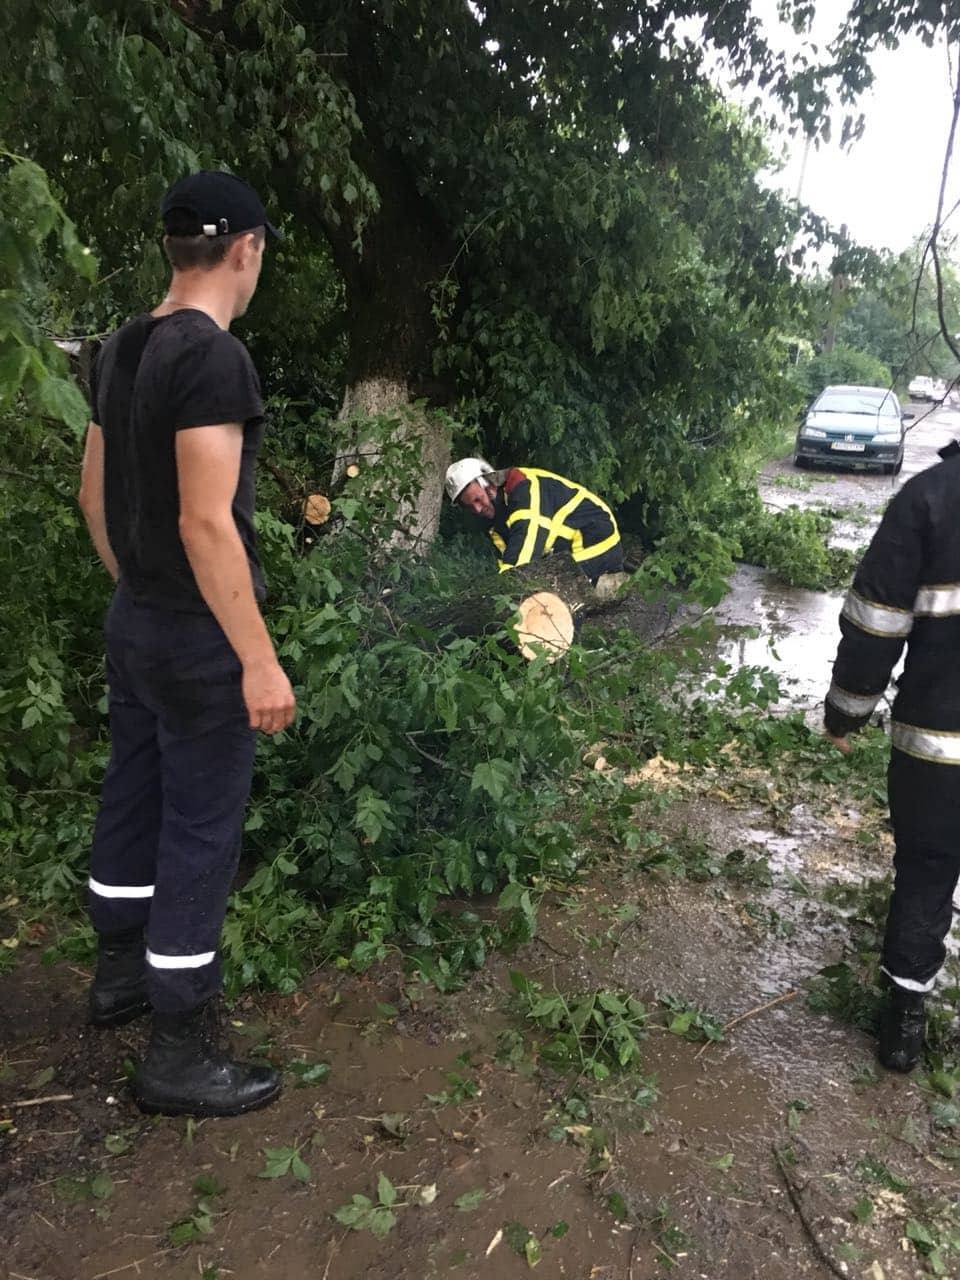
(907, 417)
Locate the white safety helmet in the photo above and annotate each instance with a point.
(460, 474)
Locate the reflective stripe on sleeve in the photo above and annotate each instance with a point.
(939, 601)
(909, 984)
(852, 704)
(876, 619)
(936, 745)
(120, 890)
(180, 962)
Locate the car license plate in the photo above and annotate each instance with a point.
(848, 446)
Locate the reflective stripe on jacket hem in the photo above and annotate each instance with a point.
(180, 962)
(937, 745)
(852, 704)
(876, 619)
(909, 984)
(120, 890)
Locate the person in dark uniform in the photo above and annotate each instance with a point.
(167, 491)
(530, 511)
(907, 591)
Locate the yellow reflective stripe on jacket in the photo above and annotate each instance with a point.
(588, 553)
(557, 525)
(497, 541)
(535, 521)
(570, 484)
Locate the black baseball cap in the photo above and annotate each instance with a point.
(222, 204)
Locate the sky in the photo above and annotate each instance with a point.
(885, 186)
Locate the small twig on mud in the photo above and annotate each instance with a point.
(101, 1275)
(550, 947)
(634, 1248)
(334, 1250)
(760, 1008)
(795, 1200)
(39, 1102)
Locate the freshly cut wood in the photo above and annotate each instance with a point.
(544, 626)
(316, 508)
(353, 470)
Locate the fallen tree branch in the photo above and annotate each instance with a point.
(750, 1013)
(797, 1203)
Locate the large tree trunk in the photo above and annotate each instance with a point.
(375, 395)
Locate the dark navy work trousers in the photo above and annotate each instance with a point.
(925, 810)
(167, 836)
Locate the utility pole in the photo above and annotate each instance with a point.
(838, 287)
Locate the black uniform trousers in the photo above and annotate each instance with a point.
(925, 810)
(167, 836)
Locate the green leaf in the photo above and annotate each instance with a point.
(117, 1144)
(355, 1214)
(559, 1229)
(921, 1236)
(470, 1200)
(183, 1232)
(944, 1082)
(206, 1184)
(863, 1209)
(386, 1192)
(382, 1220)
(41, 1078)
(723, 1162)
(101, 1186)
(279, 1162)
(492, 776)
(308, 1073)
(532, 1251)
(62, 400)
(618, 1206)
(299, 1169)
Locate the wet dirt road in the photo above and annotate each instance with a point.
(792, 631)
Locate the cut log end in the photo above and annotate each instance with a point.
(544, 626)
(353, 470)
(316, 509)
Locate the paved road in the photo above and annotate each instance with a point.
(863, 493)
(795, 632)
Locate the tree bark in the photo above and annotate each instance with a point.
(374, 396)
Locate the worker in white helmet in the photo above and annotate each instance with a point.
(530, 511)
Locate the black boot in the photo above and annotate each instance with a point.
(187, 1073)
(118, 993)
(901, 1029)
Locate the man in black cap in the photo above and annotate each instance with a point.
(168, 495)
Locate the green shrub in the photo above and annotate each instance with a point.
(842, 364)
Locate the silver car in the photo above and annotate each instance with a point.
(854, 427)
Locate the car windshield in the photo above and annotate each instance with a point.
(857, 402)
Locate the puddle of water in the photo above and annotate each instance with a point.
(797, 630)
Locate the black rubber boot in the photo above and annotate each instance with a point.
(900, 1042)
(118, 993)
(187, 1073)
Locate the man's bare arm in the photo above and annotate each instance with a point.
(91, 499)
(208, 467)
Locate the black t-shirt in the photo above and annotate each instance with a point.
(152, 378)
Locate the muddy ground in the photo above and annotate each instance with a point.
(780, 1151)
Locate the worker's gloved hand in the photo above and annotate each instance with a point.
(842, 743)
